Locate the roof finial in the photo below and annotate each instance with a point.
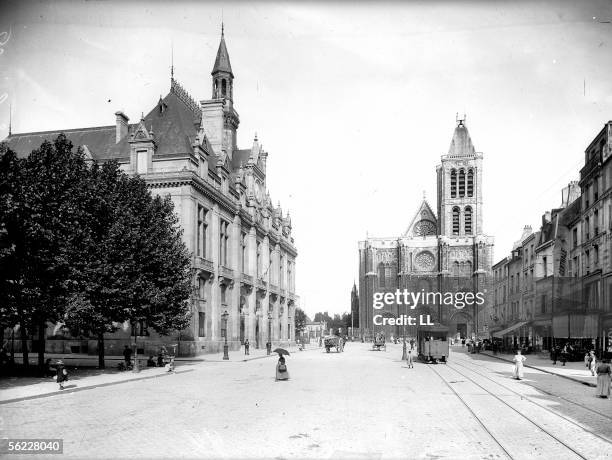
(171, 60)
(10, 118)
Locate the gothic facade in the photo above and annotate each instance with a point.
(243, 252)
(442, 251)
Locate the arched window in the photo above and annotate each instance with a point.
(381, 275)
(456, 270)
(216, 89)
(468, 220)
(461, 183)
(453, 183)
(223, 87)
(470, 183)
(455, 220)
(468, 268)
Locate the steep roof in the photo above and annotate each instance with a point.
(174, 121)
(461, 144)
(222, 62)
(424, 213)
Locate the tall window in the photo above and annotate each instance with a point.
(587, 228)
(223, 242)
(201, 233)
(545, 266)
(587, 261)
(595, 189)
(202, 288)
(281, 273)
(461, 183)
(470, 183)
(381, 275)
(271, 266)
(243, 258)
(468, 220)
(290, 275)
(201, 324)
(223, 288)
(575, 237)
(258, 259)
(453, 183)
(596, 222)
(223, 87)
(455, 220)
(595, 256)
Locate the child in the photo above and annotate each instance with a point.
(409, 360)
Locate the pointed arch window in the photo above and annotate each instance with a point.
(453, 183)
(456, 220)
(468, 220)
(461, 183)
(470, 183)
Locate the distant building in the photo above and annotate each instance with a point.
(437, 249)
(567, 290)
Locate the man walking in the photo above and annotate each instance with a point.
(246, 346)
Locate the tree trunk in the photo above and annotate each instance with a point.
(24, 345)
(42, 332)
(101, 350)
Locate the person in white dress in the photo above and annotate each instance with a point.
(517, 373)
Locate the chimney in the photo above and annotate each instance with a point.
(122, 126)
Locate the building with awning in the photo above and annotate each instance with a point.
(506, 331)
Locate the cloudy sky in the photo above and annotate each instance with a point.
(354, 103)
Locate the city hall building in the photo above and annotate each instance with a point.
(442, 251)
(243, 252)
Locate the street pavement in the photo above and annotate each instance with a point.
(357, 404)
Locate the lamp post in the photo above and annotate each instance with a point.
(269, 344)
(224, 331)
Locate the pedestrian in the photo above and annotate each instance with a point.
(463, 342)
(554, 352)
(587, 357)
(518, 365)
(151, 362)
(592, 362)
(409, 359)
(61, 375)
(170, 365)
(412, 344)
(604, 377)
(247, 346)
(281, 369)
(127, 356)
(564, 355)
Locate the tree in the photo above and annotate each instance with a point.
(300, 319)
(43, 219)
(135, 266)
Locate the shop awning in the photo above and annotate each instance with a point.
(509, 329)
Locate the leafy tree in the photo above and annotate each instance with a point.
(300, 319)
(43, 219)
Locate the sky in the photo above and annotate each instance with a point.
(355, 103)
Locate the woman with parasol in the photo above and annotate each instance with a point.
(281, 367)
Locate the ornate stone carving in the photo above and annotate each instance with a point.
(425, 261)
(384, 256)
(424, 228)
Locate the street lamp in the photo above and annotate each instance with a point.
(269, 344)
(224, 331)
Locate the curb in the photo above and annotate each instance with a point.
(90, 387)
(589, 384)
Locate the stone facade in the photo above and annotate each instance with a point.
(437, 253)
(243, 253)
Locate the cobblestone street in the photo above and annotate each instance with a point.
(356, 404)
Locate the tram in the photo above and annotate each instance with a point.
(433, 346)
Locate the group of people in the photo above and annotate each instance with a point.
(603, 370)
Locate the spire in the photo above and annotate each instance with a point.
(10, 118)
(222, 63)
(461, 145)
(171, 60)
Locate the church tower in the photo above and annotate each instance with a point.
(460, 187)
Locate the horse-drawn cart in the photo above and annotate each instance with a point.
(379, 342)
(332, 341)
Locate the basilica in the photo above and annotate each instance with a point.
(243, 251)
(440, 252)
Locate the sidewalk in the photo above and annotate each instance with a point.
(84, 374)
(573, 370)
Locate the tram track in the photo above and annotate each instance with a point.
(480, 420)
(601, 414)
